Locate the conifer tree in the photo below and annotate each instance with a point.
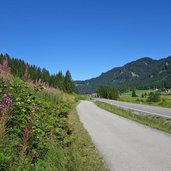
(68, 83)
(31, 72)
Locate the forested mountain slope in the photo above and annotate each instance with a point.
(143, 73)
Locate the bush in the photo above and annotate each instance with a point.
(134, 93)
(31, 122)
(154, 97)
(108, 92)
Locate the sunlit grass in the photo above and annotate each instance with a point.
(158, 122)
(49, 109)
(80, 156)
(165, 98)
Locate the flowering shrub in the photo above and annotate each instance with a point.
(5, 98)
(31, 122)
(4, 66)
(6, 101)
(1, 67)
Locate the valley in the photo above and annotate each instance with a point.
(85, 85)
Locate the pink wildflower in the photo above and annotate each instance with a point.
(3, 107)
(1, 66)
(6, 101)
(5, 62)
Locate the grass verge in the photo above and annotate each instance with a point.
(84, 154)
(157, 122)
(80, 156)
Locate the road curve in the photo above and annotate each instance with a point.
(153, 110)
(125, 144)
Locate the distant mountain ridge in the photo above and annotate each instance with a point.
(143, 73)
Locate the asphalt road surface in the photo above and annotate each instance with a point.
(124, 144)
(153, 110)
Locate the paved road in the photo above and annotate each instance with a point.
(124, 144)
(154, 110)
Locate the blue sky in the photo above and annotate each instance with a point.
(87, 37)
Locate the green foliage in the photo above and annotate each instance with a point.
(68, 83)
(154, 97)
(107, 92)
(38, 133)
(31, 72)
(164, 102)
(134, 93)
(31, 122)
(145, 95)
(79, 97)
(144, 73)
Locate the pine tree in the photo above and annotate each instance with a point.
(108, 92)
(68, 83)
(134, 93)
(26, 71)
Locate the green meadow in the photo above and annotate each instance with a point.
(165, 98)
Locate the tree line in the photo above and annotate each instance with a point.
(31, 72)
(151, 97)
(107, 92)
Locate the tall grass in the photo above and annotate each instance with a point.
(80, 156)
(50, 97)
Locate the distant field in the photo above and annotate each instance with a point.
(165, 98)
(138, 92)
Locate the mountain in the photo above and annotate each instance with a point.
(143, 73)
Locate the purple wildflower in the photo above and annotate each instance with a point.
(4, 96)
(3, 106)
(1, 66)
(8, 101)
(4, 66)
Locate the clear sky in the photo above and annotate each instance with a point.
(87, 37)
